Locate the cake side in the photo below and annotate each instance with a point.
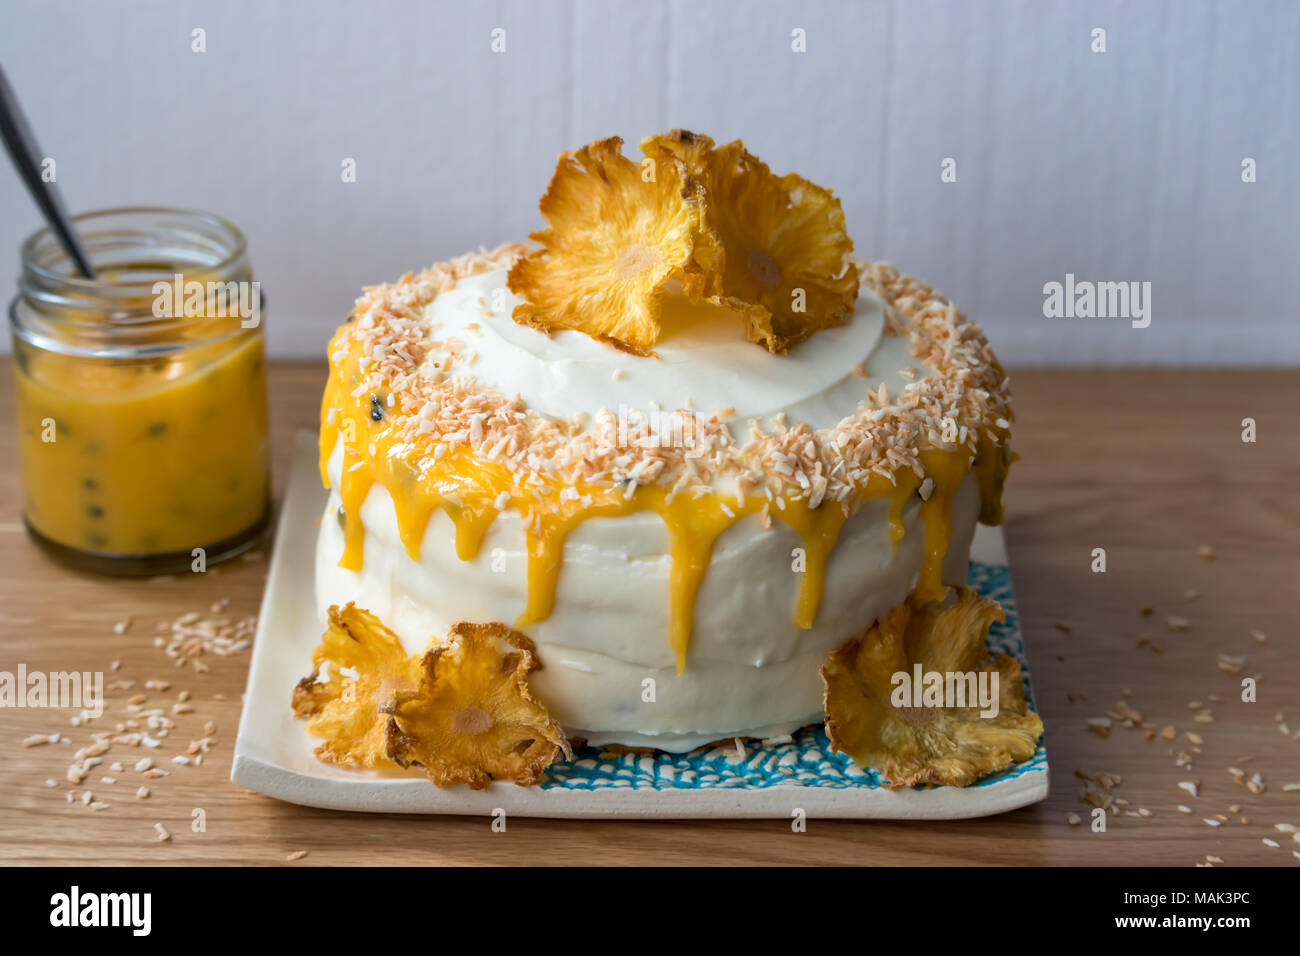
(750, 672)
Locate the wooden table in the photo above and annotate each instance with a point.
(1148, 465)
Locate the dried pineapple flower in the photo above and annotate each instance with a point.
(615, 237)
(462, 711)
(473, 719)
(785, 248)
(910, 745)
(352, 707)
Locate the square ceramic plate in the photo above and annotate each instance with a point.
(273, 753)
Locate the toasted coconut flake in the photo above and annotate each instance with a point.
(951, 746)
(613, 242)
(350, 709)
(473, 719)
(785, 248)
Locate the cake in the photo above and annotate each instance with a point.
(630, 451)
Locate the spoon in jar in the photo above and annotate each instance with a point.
(27, 160)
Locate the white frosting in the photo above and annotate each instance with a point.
(704, 360)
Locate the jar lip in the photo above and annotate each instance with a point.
(146, 257)
(30, 248)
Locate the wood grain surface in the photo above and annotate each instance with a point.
(1148, 465)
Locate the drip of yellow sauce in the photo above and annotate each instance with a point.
(468, 490)
(353, 488)
(905, 483)
(545, 544)
(992, 461)
(946, 469)
(694, 524)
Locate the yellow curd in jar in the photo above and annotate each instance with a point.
(144, 456)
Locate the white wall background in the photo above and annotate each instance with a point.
(1117, 166)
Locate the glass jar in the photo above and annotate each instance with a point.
(141, 394)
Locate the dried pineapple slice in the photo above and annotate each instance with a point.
(473, 719)
(352, 707)
(785, 248)
(613, 242)
(951, 746)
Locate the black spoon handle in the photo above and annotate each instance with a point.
(27, 160)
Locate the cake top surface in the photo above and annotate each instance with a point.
(704, 362)
(907, 372)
